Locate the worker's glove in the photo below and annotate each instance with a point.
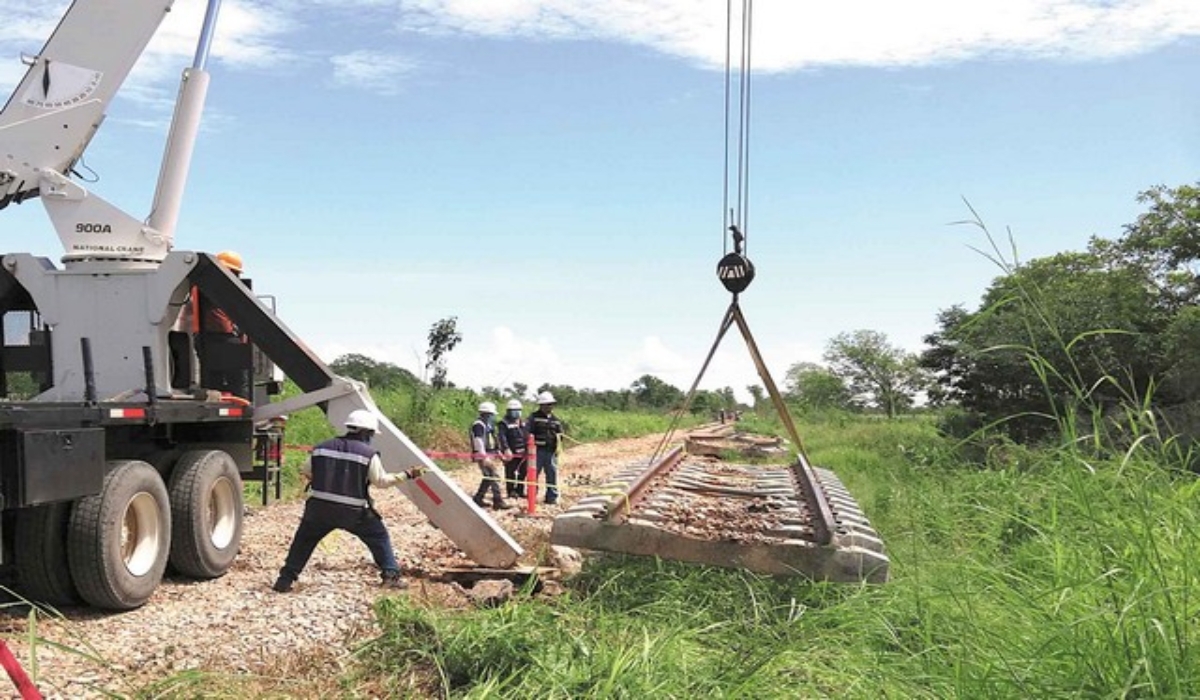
(487, 463)
(507, 455)
(415, 473)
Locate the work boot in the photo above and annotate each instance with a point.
(283, 584)
(501, 505)
(392, 579)
(479, 502)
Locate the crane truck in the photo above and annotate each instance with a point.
(121, 452)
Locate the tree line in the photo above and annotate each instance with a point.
(645, 393)
(1069, 336)
(1083, 334)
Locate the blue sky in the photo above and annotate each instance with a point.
(550, 171)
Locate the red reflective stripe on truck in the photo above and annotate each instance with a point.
(429, 492)
(126, 413)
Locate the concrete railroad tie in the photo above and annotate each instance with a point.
(738, 516)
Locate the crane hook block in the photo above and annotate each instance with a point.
(736, 272)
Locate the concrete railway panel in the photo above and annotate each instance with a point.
(750, 516)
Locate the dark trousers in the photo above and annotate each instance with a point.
(323, 517)
(514, 477)
(547, 461)
(225, 364)
(491, 482)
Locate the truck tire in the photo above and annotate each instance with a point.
(206, 513)
(118, 539)
(40, 554)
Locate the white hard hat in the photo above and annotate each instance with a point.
(361, 419)
(487, 407)
(545, 397)
(514, 405)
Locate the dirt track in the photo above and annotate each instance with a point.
(237, 624)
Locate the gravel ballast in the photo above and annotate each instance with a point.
(237, 625)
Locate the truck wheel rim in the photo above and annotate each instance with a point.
(140, 534)
(222, 513)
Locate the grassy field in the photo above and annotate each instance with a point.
(1046, 575)
(439, 421)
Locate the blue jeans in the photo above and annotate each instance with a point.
(323, 517)
(547, 461)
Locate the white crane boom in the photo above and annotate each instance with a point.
(59, 105)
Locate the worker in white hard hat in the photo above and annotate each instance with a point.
(546, 429)
(341, 471)
(514, 443)
(485, 451)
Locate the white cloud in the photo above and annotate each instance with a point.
(790, 35)
(409, 358)
(506, 358)
(23, 30)
(247, 34)
(657, 359)
(375, 71)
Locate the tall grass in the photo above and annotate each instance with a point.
(632, 628)
(1051, 575)
(1080, 567)
(1052, 580)
(1057, 578)
(1063, 571)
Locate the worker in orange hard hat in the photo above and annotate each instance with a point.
(218, 329)
(215, 320)
(232, 260)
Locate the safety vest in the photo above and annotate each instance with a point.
(339, 471)
(480, 430)
(545, 428)
(512, 436)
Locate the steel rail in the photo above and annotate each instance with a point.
(757, 517)
(637, 487)
(824, 523)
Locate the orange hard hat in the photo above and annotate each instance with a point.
(231, 260)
